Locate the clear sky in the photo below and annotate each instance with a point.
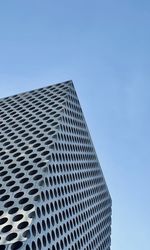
(104, 47)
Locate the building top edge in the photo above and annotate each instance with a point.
(67, 82)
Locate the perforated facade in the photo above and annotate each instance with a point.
(53, 194)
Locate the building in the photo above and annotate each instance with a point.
(53, 194)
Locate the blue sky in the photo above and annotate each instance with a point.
(104, 47)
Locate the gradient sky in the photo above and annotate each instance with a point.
(104, 47)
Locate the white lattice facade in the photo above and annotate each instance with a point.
(53, 194)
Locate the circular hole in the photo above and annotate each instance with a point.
(24, 180)
(41, 164)
(4, 158)
(36, 160)
(33, 230)
(2, 247)
(24, 163)
(7, 178)
(28, 185)
(11, 236)
(14, 189)
(21, 158)
(8, 161)
(28, 167)
(39, 244)
(13, 210)
(16, 154)
(3, 173)
(19, 175)
(37, 177)
(40, 149)
(16, 245)
(23, 224)
(44, 240)
(18, 217)
(32, 172)
(4, 197)
(12, 166)
(9, 204)
(15, 170)
(32, 156)
(19, 194)
(45, 153)
(33, 245)
(23, 200)
(10, 183)
(28, 151)
(53, 235)
(6, 228)
(33, 191)
(1, 212)
(2, 191)
(28, 248)
(3, 220)
(24, 148)
(28, 207)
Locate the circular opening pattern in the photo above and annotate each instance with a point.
(50, 168)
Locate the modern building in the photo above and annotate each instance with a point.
(53, 194)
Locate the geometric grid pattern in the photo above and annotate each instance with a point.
(53, 194)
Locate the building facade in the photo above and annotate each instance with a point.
(53, 194)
